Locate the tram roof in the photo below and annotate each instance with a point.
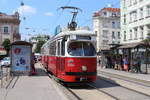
(68, 32)
(76, 32)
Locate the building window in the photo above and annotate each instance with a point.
(134, 15)
(141, 13)
(105, 13)
(130, 17)
(130, 34)
(130, 3)
(135, 33)
(113, 35)
(96, 32)
(119, 35)
(125, 36)
(105, 33)
(142, 31)
(148, 11)
(124, 3)
(124, 19)
(140, 0)
(105, 24)
(113, 25)
(118, 24)
(134, 2)
(6, 29)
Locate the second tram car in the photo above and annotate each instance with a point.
(71, 56)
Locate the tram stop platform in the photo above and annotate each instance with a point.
(133, 76)
(38, 87)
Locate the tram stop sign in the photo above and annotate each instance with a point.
(21, 53)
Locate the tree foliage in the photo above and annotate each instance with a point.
(6, 45)
(38, 46)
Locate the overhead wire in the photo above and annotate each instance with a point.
(60, 14)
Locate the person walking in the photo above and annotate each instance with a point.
(33, 71)
(138, 65)
(125, 63)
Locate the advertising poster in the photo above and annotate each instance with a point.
(21, 58)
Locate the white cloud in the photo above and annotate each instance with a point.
(26, 10)
(49, 14)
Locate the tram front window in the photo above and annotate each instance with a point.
(81, 49)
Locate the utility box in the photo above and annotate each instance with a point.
(21, 57)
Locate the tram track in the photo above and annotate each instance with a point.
(73, 94)
(125, 87)
(122, 80)
(116, 84)
(103, 92)
(136, 81)
(84, 93)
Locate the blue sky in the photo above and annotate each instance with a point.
(42, 16)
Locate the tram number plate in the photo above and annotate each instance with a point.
(83, 78)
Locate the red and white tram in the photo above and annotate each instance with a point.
(71, 56)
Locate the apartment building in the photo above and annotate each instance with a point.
(9, 27)
(135, 20)
(106, 24)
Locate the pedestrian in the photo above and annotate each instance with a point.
(33, 71)
(99, 61)
(125, 63)
(138, 64)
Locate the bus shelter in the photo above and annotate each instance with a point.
(21, 53)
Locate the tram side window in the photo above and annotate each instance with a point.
(58, 49)
(52, 49)
(63, 48)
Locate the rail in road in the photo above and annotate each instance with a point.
(102, 89)
(134, 84)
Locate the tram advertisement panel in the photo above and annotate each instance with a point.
(21, 58)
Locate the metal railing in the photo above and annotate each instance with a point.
(4, 76)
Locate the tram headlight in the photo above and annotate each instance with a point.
(84, 68)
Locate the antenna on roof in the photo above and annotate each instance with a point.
(72, 25)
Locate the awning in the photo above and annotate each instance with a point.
(130, 45)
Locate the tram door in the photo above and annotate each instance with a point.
(60, 58)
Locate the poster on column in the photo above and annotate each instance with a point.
(21, 58)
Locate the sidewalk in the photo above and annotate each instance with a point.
(39, 87)
(137, 76)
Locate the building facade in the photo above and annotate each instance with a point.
(35, 39)
(135, 20)
(106, 24)
(9, 27)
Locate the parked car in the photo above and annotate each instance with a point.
(5, 62)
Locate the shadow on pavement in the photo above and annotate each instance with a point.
(100, 83)
(40, 72)
(103, 82)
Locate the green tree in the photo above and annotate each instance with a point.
(6, 45)
(38, 46)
